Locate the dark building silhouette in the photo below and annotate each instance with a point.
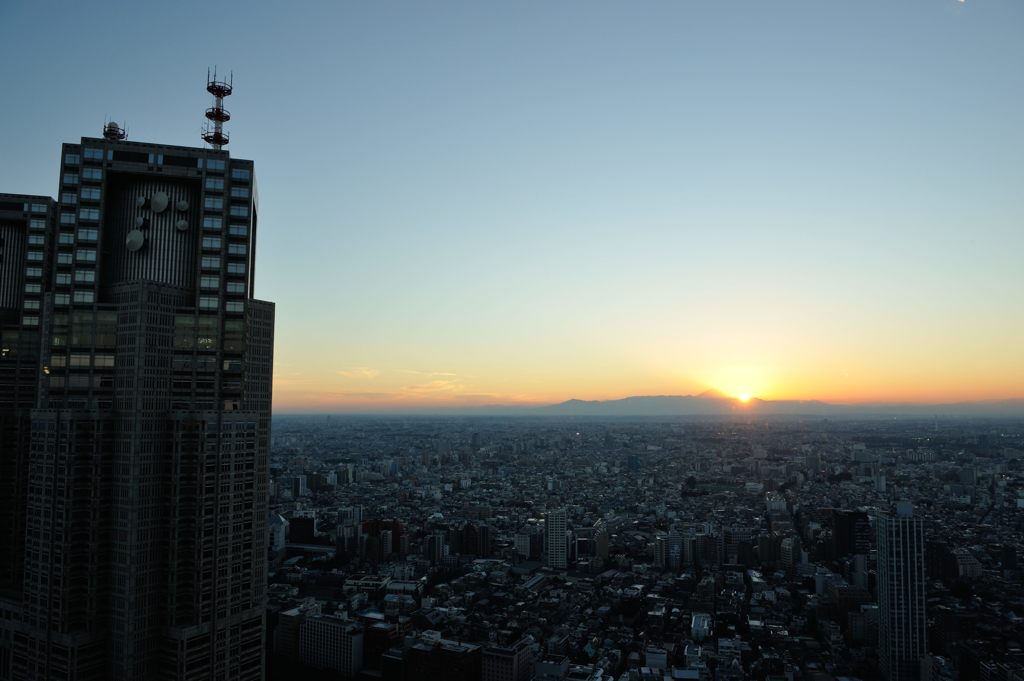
(146, 457)
(26, 226)
(851, 533)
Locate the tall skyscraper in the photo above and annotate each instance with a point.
(555, 544)
(25, 228)
(146, 498)
(902, 626)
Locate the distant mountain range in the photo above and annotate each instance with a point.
(715, 404)
(712, 403)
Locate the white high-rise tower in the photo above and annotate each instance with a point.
(555, 545)
(902, 626)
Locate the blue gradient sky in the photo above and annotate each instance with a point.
(491, 202)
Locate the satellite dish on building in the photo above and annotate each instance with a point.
(135, 240)
(181, 205)
(158, 202)
(140, 201)
(181, 225)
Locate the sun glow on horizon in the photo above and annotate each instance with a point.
(744, 397)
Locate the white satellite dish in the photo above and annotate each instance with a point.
(135, 240)
(140, 201)
(181, 205)
(181, 225)
(158, 202)
(139, 221)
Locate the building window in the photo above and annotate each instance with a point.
(213, 203)
(207, 303)
(207, 281)
(240, 174)
(212, 223)
(84, 296)
(236, 287)
(86, 255)
(63, 279)
(70, 178)
(234, 306)
(30, 320)
(63, 258)
(238, 230)
(103, 361)
(61, 299)
(236, 268)
(72, 159)
(58, 360)
(78, 360)
(211, 262)
(211, 242)
(239, 192)
(35, 256)
(33, 272)
(215, 183)
(237, 249)
(67, 218)
(36, 223)
(91, 214)
(36, 240)
(69, 198)
(93, 154)
(213, 164)
(92, 174)
(39, 208)
(65, 238)
(85, 276)
(88, 234)
(240, 211)
(90, 193)
(32, 288)
(31, 304)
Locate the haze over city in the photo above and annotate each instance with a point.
(521, 203)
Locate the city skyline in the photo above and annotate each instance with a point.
(482, 204)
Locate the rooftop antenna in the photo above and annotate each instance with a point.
(217, 114)
(112, 132)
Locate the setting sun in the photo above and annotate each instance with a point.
(744, 397)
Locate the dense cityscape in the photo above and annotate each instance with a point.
(658, 341)
(422, 548)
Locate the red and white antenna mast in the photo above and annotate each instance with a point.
(217, 115)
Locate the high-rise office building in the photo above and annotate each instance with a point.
(902, 626)
(555, 542)
(25, 253)
(146, 499)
